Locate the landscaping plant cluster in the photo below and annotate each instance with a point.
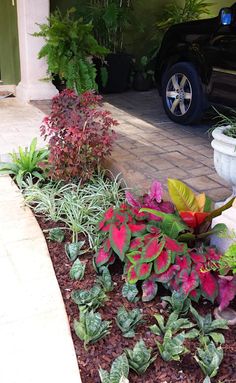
(145, 244)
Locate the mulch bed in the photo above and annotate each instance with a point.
(106, 350)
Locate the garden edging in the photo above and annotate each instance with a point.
(35, 333)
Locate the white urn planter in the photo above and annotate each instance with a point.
(225, 156)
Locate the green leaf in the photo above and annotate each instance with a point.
(77, 270)
(130, 292)
(140, 357)
(105, 279)
(73, 250)
(182, 196)
(127, 320)
(217, 337)
(56, 234)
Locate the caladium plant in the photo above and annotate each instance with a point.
(89, 299)
(208, 327)
(140, 357)
(119, 371)
(172, 348)
(128, 320)
(209, 359)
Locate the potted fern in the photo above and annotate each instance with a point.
(69, 48)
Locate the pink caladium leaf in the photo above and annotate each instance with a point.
(173, 245)
(132, 201)
(143, 270)
(111, 259)
(134, 257)
(162, 262)
(107, 217)
(208, 284)
(107, 245)
(102, 257)
(135, 243)
(156, 191)
(212, 254)
(149, 288)
(120, 239)
(154, 230)
(195, 295)
(137, 229)
(167, 275)
(183, 262)
(189, 281)
(132, 276)
(152, 250)
(227, 290)
(174, 284)
(197, 257)
(127, 266)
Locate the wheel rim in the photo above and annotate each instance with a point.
(179, 94)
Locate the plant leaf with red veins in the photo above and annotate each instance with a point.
(152, 250)
(195, 295)
(107, 216)
(173, 245)
(107, 245)
(111, 259)
(197, 257)
(209, 286)
(149, 288)
(120, 239)
(102, 257)
(127, 266)
(147, 237)
(167, 275)
(135, 243)
(134, 257)
(189, 281)
(132, 201)
(227, 290)
(137, 229)
(162, 262)
(212, 254)
(143, 270)
(153, 229)
(132, 276)
(183, 262)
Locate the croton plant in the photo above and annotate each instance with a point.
(158, 243)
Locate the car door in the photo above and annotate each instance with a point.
(222, 59)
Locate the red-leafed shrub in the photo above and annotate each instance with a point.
(80, 135)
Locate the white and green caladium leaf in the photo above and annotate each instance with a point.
(105, 279)
(172, 348)
(74, 249)
(130, 292)
(77, 270)
(209, 359)
(119, 371)
(178, 302)
(127, 321)
(89, 299)
(174, 323)
(207, 327)
(90, 328)
(140, 357)
(56, 234)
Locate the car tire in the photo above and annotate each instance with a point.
(182, 94)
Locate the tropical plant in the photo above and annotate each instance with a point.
(77, 270)
(130, 292)
(209, 359)
(128, 320)
(173, 324)
(56, 234)
(91, 328)
(75, 249)
(228, 121)
(178, 302)
(227, 261)
(207, 327)
(172, 348)
(89, 299)
(119, 371)
(105, 280)
(140, 357)
(69, 48)
(79, 135)
(28, 161)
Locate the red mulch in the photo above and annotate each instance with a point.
(106, 350)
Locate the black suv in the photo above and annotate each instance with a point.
(196, 65)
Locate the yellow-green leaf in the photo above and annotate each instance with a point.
(201, 201)
(182, 196)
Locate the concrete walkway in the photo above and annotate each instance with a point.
(36, 344)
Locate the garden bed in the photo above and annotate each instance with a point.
(102, 353)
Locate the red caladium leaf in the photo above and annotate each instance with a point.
(195, 295)
(183, 262)
(174, 284)
(132, 201)
(189, 281)
(120, 239)
(102, 257)
(107, 245)
(171, 244)
(227, 290)
(153, 229)
(134, 257)
(137, 229)
(140, 216)
(143, 270)
(132, 275)
(212, 254)
(149, 288)
(167, 275)
(209, 286)
(152, 250)
(121, 218)
(147, 237)
(135, 244)
(197, 257)
(107, 216)
(127, 266)
(162, 262)
(111, 259)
